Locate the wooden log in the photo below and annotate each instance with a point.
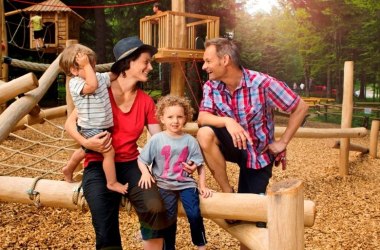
(352, 147)
(373, 138)
(221, 205)
(18, 109)
(18, 86)
(49, 114)
(192, 128)
(241, 207)
(4, 38)
(286, 216)
(69, 99)
(247, 233)
(49, 193)
(346, 122)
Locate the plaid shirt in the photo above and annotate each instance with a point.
(251, 104)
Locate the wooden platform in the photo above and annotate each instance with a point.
(174, 55)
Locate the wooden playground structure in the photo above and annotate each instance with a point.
(284, 208)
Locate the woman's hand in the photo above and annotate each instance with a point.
(146, 180)
(100, 143)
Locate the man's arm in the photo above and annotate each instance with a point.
(295, 120)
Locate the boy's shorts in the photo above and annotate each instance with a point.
(90, 132)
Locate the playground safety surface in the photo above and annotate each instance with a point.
(348, 208)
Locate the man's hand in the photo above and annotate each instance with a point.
(278, 149)
(240, 137)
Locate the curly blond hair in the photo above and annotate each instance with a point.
(169, 101)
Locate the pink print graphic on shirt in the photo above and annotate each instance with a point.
(177, 167)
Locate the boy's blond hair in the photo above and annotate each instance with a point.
(169, 101)
(67, 60)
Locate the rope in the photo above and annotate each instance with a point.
(87, 7)
(43, 67)
(188, 83)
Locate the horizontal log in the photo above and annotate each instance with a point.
(17, 86)
(192, 128)
(247, 233)
(247, 207)
(352, 147)
(49, 114)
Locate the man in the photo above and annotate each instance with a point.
(236, 118)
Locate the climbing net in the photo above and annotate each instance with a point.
(40, 151)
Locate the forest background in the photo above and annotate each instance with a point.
(299, 41)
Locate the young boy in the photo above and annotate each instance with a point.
(170, 151)
(89, 91)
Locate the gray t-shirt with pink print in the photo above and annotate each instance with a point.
(167, 154)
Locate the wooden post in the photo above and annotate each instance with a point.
(177, 79)
(2, 18)
(4, 40)
(286, 216)
(69, 99)
(373, 139)
(17, 86)
(347, 107)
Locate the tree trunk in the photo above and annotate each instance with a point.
(362, 85)
(100, 41)
(328, 83)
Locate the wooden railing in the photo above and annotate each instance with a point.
(178, 31)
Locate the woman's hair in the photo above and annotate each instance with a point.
(169, 101)
(121, 66)
(68, 55)
(225, 46)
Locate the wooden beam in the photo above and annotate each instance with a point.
(286, 216)
(192, 128)
(54, 193)
(352, 147)
(17, 86)
(346, 122)
(49, 114)
(22, 106)
(373, 139)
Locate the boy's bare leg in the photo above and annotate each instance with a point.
(110, 172)
(72, 164)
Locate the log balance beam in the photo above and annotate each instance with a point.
(284, 208)
(192, 128)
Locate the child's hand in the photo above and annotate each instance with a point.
(189, 167)
(205, 192)
(146, 180)
(82, 59)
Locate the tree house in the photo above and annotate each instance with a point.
(176, 34)
(61, 24)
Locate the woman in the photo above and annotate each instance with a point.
(132, 111)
